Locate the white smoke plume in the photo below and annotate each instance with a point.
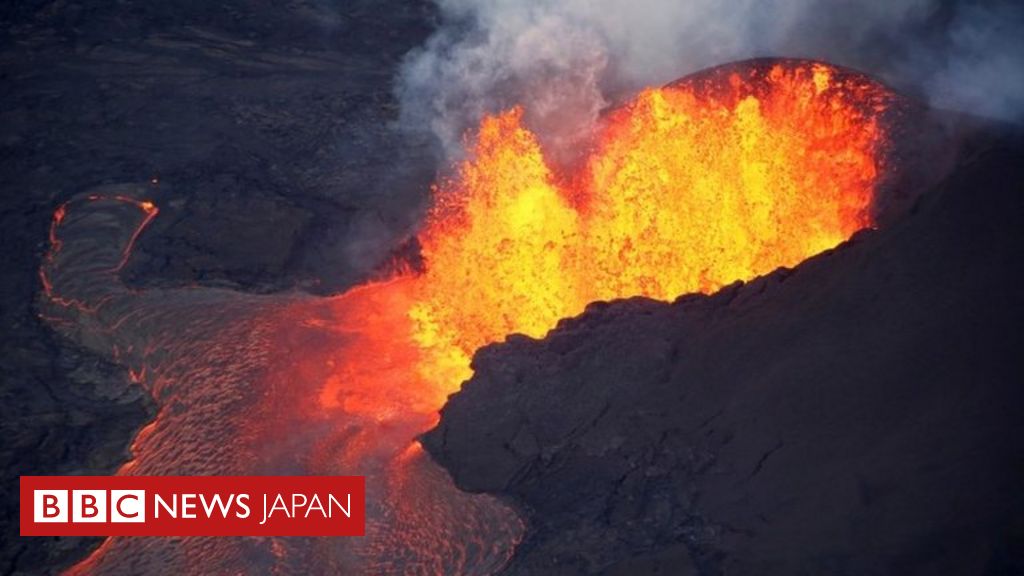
(565, 60)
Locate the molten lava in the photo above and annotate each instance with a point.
(723, 176)
(720, 177)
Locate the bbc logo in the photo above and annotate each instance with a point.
(57, 506)
(192, 505)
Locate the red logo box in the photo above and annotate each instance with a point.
(193, 505)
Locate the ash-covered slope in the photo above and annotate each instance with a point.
(861, 414)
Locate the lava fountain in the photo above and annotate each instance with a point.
(721, 176)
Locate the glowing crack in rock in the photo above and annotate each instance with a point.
(719, 177)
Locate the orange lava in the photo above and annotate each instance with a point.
(721, 177)
(724, 176)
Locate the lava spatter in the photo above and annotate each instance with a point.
(719, 177)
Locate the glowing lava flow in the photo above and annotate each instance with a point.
(720, 177)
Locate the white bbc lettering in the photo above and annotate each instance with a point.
(88, 505)
(159, 502)
(50, 505)
(128, 506)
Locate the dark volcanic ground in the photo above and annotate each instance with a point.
(266, 125)
(862, 414)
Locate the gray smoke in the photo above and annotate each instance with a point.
(565, 60)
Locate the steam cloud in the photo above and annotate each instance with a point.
(565, 60)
